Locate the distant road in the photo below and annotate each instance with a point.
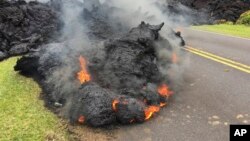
(213, 95)
(235, 48)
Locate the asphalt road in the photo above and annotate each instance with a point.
(212, 96)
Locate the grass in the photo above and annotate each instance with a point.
(22, 114)
(234, 30)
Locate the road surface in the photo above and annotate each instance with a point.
(215, 93)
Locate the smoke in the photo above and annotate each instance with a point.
(131, 12)
(61, 76)
(151, 11)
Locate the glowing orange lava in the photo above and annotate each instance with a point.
(164, 91)
(83, 76)
(163, 104)
(174, 58)
(115, 102)
(81, 119)
(149, 112)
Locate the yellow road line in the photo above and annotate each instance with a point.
(218, 60)
(221, 58)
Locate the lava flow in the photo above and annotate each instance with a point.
(83, 76)
(116, 87)
(162, 104)
(164, 90)
(115, 102)
(149, 112)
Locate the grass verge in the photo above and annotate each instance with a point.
(233, 30)
(23, 116)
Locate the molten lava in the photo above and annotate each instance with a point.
(174, 58)
(149, 112)
(115, 102)
(164, 91)
(83, 76)
(163, 104)
(81, 119)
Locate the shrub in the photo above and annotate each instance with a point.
(244, 18)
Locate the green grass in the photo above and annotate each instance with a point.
(234, 30)
(22, 114)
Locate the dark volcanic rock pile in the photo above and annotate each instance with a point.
(229, 10)
(25, 26)
(126, 81)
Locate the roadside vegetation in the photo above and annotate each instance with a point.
(241, 28)
(23, 116)
(244, 19)
(234, 30)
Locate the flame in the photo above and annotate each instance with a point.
(163, 104)
(149, 112)
(81, 119)
(175, 58)
(164, 91)
(83, 76)
(115, 102)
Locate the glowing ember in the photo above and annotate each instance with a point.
(115, 102)
(149, 112)
(83, 76)
(163, 104)
(164, 91)
(81, 119)
(174, 58)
